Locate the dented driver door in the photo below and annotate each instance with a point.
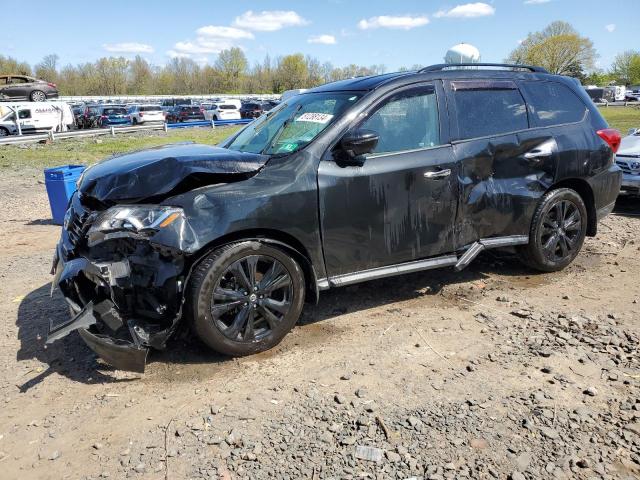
(400, 205)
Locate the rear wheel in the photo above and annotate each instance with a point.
(558, 230)
(245, 297)
(38, 96)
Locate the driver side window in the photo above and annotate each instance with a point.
(407, 120)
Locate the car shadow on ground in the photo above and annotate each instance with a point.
(627, 206)
(71, 358)
(41, 221)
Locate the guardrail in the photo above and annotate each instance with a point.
(97, 132)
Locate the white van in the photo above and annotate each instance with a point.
(35, 117)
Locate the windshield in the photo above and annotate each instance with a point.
(294, 123)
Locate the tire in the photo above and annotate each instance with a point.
(38, 96)
(4, 132)
(553, 245)
(241, 321)
(134, 122)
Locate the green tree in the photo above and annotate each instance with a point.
(111, 74)
(626, 67)
(559, 48)
(47, 69)
(232, 65)
(140, 77)
(9, 65)
(291, 72)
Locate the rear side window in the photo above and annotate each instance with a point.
(487, 108)
(552, 103)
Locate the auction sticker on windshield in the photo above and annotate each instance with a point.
(314, 117)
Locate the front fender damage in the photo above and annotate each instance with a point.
(125, 297)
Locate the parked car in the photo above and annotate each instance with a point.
(89, 117)
(184, 114)
(35, 118)
(146, 114)
(633, 94)
(628, 159)
(111, 115)
(222, 111)
(22, 87)
(355, 180)
(26, 88)
(253, 110)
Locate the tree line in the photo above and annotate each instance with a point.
(558, 47)
(230, 73)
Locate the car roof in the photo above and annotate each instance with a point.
(373, 82)
(18, 75)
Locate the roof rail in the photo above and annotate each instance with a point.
(512, 66)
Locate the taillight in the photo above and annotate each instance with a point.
(52, 85)
(141, 114)
(611, 136)
(104, 117)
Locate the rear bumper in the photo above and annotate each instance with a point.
(606, 187)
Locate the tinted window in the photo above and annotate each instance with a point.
(488, 111)
(150, 108)
(406, 121)
(114, 111)
(552, 103)
(24, 114)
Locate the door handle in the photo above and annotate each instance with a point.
(438, 173)
(536, 154)
(545, 149)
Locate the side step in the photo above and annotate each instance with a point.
(486, 243)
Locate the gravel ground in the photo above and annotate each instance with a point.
(495, 372)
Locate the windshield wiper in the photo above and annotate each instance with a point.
(284, 125)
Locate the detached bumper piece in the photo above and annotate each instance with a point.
(121, 354)
(123, 304)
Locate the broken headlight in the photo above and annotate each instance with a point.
(135, 218)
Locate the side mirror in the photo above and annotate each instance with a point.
(634, 131)
(357, 143)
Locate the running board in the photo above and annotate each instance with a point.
(486, 243)
(390, 271)
(470, 253)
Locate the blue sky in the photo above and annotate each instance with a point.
(391, 32)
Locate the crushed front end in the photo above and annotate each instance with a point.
(122, 272)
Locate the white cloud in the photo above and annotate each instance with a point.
(324, 39)
(128, 47)
(610, 27)
(202, 46)
(536, 2)
(468, 10)
(269, 21)
(224, 32)
(404, 22)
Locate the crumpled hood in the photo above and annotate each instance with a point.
(157, 171)
(630, 145)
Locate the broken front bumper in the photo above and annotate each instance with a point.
(121, 307)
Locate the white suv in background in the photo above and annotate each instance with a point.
(222, 111)
(146, 114)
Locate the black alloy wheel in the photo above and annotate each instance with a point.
(251, 297)
(558, 230)
(244, 297)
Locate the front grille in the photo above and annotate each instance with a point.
(624, 167)
(78, 227)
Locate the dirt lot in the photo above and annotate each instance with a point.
(492, 373)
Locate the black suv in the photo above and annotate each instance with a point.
(351, 181)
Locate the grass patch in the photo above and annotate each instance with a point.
(86, 151)
(622, 118)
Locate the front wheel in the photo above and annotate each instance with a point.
(4, 132)
(558, 230)
(38, 96)
(245, 297)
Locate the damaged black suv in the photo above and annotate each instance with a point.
(351, 181)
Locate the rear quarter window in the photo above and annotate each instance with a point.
(552, 103)
(485, 110)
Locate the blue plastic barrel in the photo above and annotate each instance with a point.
(61, 183)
